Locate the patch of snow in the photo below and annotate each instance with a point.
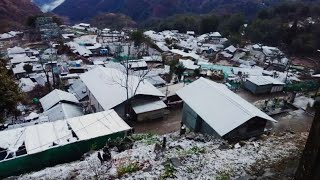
(204, 165)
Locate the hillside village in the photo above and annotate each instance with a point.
(177, 101)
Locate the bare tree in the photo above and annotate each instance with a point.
(133, 77)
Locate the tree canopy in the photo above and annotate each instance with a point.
(10, 94)
(291, 25)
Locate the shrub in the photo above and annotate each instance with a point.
(128, 168)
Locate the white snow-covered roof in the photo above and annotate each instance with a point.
(79, 89)
(215, 34)
(222, 109)
(226, 55)
(22, 58)
(188, 64)
(26, 84)
(44, 136)
(162, 46)
(157, 58)
(143, 107)
(83, 51)
(84, 24)
(171, 90)
(191, 32)
(6, 36)
(231, 49)
(55, 97)
(184, 54)
(32, 116)
(107, 86)
(97, 125)
(18, 70)
(63, 111)
(11, 139)
(15, 50)
(137, 64)
(264, 80)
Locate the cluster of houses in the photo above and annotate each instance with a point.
(103, 89)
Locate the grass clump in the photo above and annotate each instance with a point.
(194, 150)
(128, 168)
(147, 139)
(168, 171)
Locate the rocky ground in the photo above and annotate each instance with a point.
(188, 157)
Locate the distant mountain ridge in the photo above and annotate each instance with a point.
(141, 10)
(13, 13)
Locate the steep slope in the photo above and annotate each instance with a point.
(140, 10)
(13, 13)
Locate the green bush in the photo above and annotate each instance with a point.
(128, 168)
(168, 171)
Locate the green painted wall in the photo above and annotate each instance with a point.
(53, 156)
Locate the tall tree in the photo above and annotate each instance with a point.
(10, 94)
(28, 68)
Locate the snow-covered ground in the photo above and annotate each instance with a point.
(196, 159)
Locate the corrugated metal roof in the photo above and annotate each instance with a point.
(63, 111)
(264, 80)
(148, 106)
(98, 124)
(41, 137)
(79, 89)
(222, 109)
(107, 85)
(55, 97)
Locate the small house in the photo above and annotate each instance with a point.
(263, 85)
(107, 89)
(211, 108)
(56, 96)
(35, 147)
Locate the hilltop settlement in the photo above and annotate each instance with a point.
(131, 104)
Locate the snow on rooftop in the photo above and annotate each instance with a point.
(222, 109)
(12, 139)
(184, 54)
(63, 111)
(143, 107)
(55, 97)
(97, 125)
(231, 49)
(22, 58)
(6, 36)
(215, 34)
(188, 64)
(26, 84)
(162, 46)
(79, 89)
(108, 86)
(43, 136)
(15, 50)
(264, 80)
(171, 90)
